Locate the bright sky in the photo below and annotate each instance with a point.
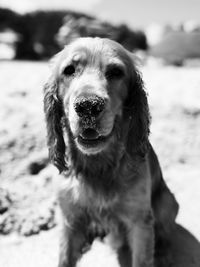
(136, 13)
(27, 5)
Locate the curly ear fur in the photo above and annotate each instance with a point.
(54, 113)
(137, 111)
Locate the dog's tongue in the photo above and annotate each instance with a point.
(89, 134)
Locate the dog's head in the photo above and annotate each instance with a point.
(97, 91)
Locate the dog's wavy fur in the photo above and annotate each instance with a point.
(119, 193)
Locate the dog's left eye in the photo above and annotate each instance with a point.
(69, 70)
(114, 72)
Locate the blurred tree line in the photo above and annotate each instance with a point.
(41, 34)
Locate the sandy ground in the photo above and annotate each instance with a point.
(28, 183)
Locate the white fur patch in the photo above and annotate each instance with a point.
(99, 255)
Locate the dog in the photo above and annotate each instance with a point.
(98, 121)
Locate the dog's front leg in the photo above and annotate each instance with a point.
(72, 241)
(141, 242)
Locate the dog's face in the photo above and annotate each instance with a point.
(97, 89)
(93, 77)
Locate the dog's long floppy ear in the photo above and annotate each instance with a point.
(137, 112)
(54, 115)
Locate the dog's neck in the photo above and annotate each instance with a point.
(101, 171)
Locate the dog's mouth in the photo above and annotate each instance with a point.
(90, 139)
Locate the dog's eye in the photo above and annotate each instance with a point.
(114, 72)
(69, 70)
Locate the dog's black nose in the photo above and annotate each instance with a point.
(89, 106)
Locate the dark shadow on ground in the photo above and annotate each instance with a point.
(184, 251)
(185, 248)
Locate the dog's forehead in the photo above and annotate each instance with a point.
(95, 49)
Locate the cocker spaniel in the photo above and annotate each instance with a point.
(98, 125)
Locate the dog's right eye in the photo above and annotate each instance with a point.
(69, 70)
(114, 72)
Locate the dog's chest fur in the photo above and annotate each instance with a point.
(108, 207)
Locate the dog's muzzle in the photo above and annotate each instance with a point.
(90, 109)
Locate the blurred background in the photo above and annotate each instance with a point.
(36, 30)
(165, 36)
